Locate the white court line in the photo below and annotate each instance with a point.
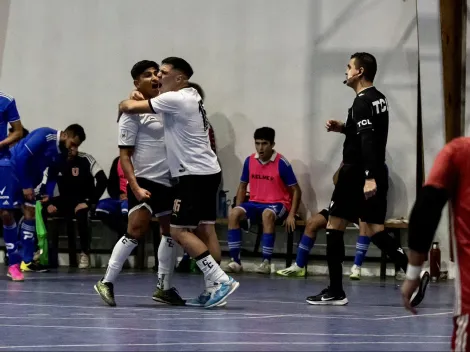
(226, 314)
(237, 343)
(38, 314)
(414, 316)
(152, 319)
(301, 302)
(212, 332)
(81, 314)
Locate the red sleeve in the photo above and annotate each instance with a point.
(444, 171)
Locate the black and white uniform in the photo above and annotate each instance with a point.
(190, 157)
(366, 131)
(145, 134)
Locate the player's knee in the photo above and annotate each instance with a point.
(136, 230)
(7, 217)
(269, 218)
(29, 213)
(315, 223)
(236, 215)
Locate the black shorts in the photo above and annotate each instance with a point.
(348, 200)
(195, 200)
(159, 204)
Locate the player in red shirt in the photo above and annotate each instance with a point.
(449, 180)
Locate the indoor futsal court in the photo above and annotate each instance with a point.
(265, 314)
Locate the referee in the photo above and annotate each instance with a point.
(361, 190)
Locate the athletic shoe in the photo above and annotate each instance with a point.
(222, 292)
(170, 296)
(418, 295)
(328, 298)
(201, 300)
(355, 272)
(15, 273)
(292, 271)
(106, 292)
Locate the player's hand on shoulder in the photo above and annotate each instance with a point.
(334, 125)
(51, 209)
(136, 95)
(142, 194)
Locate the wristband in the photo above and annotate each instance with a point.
(413, 272)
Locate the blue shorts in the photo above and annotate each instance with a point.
(114, 207)
(254, 210)
(11, 194)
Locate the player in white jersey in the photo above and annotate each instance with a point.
(192, 160)
(150, 193)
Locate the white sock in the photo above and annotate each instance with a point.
(166, 262)
(121, 251)
(213, 274)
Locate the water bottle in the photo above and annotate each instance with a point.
(222, 204)
(435, 261)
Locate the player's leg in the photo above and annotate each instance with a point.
(461, 333)
(162, 206)
(8, 197)
(206, 232)
(108, 211)
(315, 223)
(28, 239)
(81, 216)
(362, 245)
(194, 197)
(140, 215)
(270, 214)
(234, 235)
(344, 208)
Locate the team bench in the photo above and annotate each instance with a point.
(394, 226)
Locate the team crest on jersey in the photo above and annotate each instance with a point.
(75, 171)
(123, 134)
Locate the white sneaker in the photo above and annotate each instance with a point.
(355, 272)
(264, 268)
(84, 261)
(233, 267)
(400, 275)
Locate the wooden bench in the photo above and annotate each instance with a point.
(392, 225)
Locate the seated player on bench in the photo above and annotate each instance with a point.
(274, 197)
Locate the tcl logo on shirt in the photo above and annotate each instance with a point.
(364, 123)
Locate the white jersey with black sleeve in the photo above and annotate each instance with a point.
(186, 128)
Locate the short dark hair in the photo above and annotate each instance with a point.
(198, 88)
(368, 62)
(141, 66)
(180, 65)
(25, 131)
(76, 131)
(266, 133)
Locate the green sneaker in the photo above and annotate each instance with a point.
(106, 292)
(170, 297)
(292, 271)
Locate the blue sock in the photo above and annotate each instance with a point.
(305, 245)
(234, 238)
(10, 235)
(28, 234)
(362, 246)
(268, 245)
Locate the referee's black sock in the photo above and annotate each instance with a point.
(335, 258)
(386, 243)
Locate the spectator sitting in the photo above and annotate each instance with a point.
(81, 182)
(274, 196)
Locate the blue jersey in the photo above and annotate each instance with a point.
(33, 154)
(8, 114)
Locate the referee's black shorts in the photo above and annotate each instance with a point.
(348, 200)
